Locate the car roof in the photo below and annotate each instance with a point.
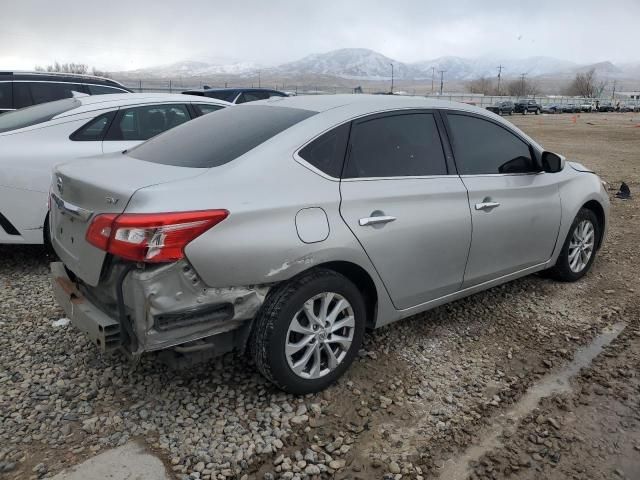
(364, 103)
(115, 100)
(58, 76)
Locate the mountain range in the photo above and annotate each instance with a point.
(365, 64)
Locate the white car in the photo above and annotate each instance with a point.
(34, 139)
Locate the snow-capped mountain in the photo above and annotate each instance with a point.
(352, 63)
(458, 68)
(191, 68)
(365, 64)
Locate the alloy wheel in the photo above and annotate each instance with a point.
(581, 246)
(320, 335)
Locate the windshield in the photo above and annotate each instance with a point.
(29, 116)
(219, 137)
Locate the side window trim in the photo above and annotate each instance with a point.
(394, 113)
(451, 140)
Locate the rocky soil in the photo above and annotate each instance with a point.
(421, 392)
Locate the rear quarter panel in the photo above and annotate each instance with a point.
(258, 243)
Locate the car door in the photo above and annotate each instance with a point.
(515, 207)
(134, 125)
(406, 206)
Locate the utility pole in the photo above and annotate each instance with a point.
(258, 78)
(433, 74)
(613, 95)
(499, 67)
(522, 90)
(441, 80)
(391, 77)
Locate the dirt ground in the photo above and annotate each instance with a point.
(445, 394)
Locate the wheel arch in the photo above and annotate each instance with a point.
(362, 280)
(598, 210)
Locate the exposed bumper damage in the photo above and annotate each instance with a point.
(164, 306)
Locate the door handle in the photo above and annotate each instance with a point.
(486, 205)
(382, 219)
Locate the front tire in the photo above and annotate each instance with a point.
(579, 249)
(308, 331)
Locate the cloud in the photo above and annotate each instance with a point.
(126, 35)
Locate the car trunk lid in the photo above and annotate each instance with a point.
(83, 189)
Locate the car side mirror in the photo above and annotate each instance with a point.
(552, 162)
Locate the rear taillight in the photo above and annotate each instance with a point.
(150, 237)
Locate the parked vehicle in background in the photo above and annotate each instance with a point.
(636, 107)
(551, 109)
(313, 219)
(570, 108)
(24, 89)
(34, 139)
(527, 106)
(624, 107)
(236, 95)
(606, 107)
(587, 107)
(502, 107)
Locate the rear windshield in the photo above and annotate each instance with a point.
(219, 137)
(29, 116)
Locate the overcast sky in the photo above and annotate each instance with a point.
(123, 35)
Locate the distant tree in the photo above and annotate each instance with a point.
(586, 85)
(521, 87)
(482, 85)
(78, 68)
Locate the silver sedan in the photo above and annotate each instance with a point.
(289, 226)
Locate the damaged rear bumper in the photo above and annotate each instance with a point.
(165, 306)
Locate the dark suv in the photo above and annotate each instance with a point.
(501, 107)
(23, 89)
(527, 106)
(236, 95)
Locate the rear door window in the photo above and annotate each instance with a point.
(403, 145)
(103, 90)
(21, 95)
(252, 97)
(226, 95)
(214, 140)
(43, 92)
(142, 123)
(204, 108)
(6, 96)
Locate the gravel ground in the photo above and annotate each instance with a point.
(420, 393)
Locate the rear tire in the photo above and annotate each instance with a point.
(288, 344)
(579, 249)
